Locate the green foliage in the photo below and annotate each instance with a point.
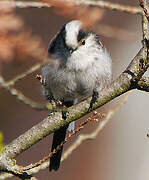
(1, 142)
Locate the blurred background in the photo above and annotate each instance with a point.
(121, 150)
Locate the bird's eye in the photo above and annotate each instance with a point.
(82, 42)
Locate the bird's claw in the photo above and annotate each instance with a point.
(94, 99)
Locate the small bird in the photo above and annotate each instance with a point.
(79, 67)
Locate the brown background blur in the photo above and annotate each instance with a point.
(121, 150)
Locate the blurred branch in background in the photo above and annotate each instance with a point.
(14, 39)
(21, 97)
(101, 4)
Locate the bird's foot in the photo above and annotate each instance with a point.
(94, 99)
(65, 114)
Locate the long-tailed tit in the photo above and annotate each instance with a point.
(79, 65)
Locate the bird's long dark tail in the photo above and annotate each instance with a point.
(58, 138)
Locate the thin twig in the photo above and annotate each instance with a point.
(93, 135)
(145, 31)
(143, 4)
(144, 61)
(94, 117)
(145, 23)
(20, 96)
(25, 73)
(13, 170)
(145, 28)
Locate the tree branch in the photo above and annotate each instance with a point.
(144, 5)
(54, 122)
(131, 78)
(143, 84)
(81, 138)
